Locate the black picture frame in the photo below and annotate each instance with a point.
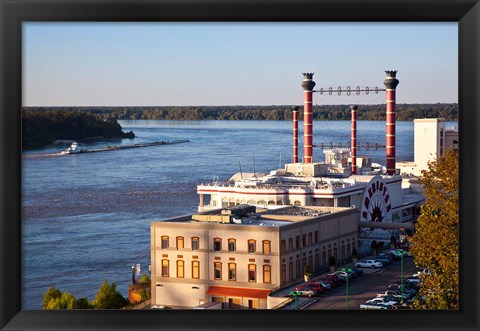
(14, 12)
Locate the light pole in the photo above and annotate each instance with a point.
(295, 295)
(347, 271)
(402, 254)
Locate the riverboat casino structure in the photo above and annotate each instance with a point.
(255, 233)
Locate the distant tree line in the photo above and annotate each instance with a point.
(376, 112)
(42, 127)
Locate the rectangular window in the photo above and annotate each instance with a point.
(231, 245)
(290, 270)
(284, 275)
(195, 244)
(297, 267)
(290, 244)
(267, 277)
(316, 237)
(217, 244)
(252, 273)
(218, 270)
(164, 242)
(251, 246)
(232, 271)
(180, 243)
(309, 238)
(304, 240)
(267, 246)
(283, 246)
(297, 242)
(195, 269)
(165, 272)
(180, 269)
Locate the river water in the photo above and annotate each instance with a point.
(86, 217)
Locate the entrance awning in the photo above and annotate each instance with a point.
(238, 292)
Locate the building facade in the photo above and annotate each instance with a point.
(239, 256)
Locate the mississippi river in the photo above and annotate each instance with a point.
(86, 217)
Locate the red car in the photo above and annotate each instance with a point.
(329, 281)
(317, 288)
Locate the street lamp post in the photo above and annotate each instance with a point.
(402, 254)
(347, 271)
(295, 295)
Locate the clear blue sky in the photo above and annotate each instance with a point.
(161, 64)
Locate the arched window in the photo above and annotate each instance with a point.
(195, 243)
(231, 245)
(180, 242)
(316, 237)
(290, 244)
(252, 246)
(283, 246)
(217, 244)
(297, 203)
(217, 274)
(309, 238)
(252, 273)
(180, 269)
(304, 240)
(297, 242)
(232, 272)
(267, 274)
(165, 242)
(267, 246)
(165, 271)
(195, 269)
(284, 273)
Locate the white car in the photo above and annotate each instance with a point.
(369, 264)
(381, 300)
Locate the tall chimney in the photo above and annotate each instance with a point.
(295, 134)
(353, 140)
(307, 85)
(391, 83)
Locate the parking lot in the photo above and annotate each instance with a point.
(360, 289)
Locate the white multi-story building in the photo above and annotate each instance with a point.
(238, 256)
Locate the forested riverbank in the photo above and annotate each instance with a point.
(376, 112)
(43, 127)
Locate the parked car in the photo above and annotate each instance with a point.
(393, 293)
(330, 281)
(368, 264)
(382, 300)
(334, 278)
(358, 272)
(384, 259)
(396, 298)
(398, 288)
(324, 286)
(305, 291)
(374, 306)
(313, 286)
(342, 275)
(160, 307)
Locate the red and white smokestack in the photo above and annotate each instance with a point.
(295, 134)
(308, 84)
(391, 83)
(353, 140)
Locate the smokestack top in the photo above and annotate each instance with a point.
(391, 81)
(353, 107)
(308, 84)
(295, 108)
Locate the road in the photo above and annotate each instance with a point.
(363, 288)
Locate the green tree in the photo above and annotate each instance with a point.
(51, 294)
(144, 279)
(64, 301)
(82, 303)
(434, 244)
(107, 297)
